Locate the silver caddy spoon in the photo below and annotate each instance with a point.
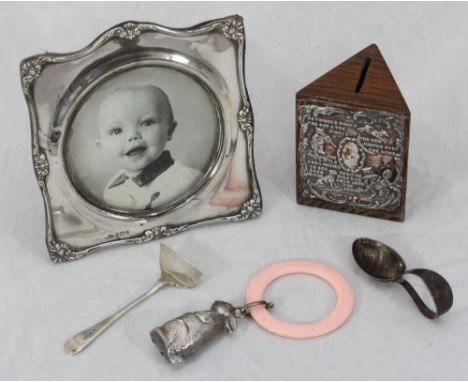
(175, 271)
(183, 336)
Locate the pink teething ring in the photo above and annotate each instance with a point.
(339, 315)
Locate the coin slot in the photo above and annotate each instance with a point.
(363, 74)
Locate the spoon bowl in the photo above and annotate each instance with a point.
(176, 270)
(378, 259)
(385, 264)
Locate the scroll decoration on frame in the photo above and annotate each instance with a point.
(144, 133)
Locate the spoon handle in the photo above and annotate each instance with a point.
(438, 287)
(84, 338)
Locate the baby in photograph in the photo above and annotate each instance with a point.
(135, 123)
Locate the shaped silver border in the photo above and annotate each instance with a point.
(32, 68)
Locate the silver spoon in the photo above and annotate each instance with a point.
(175, 271)
(385, 264)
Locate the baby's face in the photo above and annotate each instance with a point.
(134, 127)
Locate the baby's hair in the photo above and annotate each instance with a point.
(155, 90)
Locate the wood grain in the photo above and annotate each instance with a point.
(363, 82)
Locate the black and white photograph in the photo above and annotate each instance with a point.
(143, 139)
(234, 191)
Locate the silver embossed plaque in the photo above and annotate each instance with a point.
(350, 158)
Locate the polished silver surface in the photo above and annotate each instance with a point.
(385, 264)
(351, 157)
(57, 85)
(175, 271)
(180, 338)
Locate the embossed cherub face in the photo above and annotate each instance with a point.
(134, 125)
(387, 174)
(350, 155)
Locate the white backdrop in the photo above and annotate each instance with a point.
(288, 46)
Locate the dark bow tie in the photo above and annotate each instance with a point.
(154, 169)
(150, 172)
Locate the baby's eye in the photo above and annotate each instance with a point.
(115, 131)
(148, 122)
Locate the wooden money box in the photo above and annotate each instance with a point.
(352, 137)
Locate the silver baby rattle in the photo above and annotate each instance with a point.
(181, 337)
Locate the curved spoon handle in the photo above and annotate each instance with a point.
(84, 338)
(438, 287)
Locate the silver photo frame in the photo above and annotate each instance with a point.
(142, 134)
